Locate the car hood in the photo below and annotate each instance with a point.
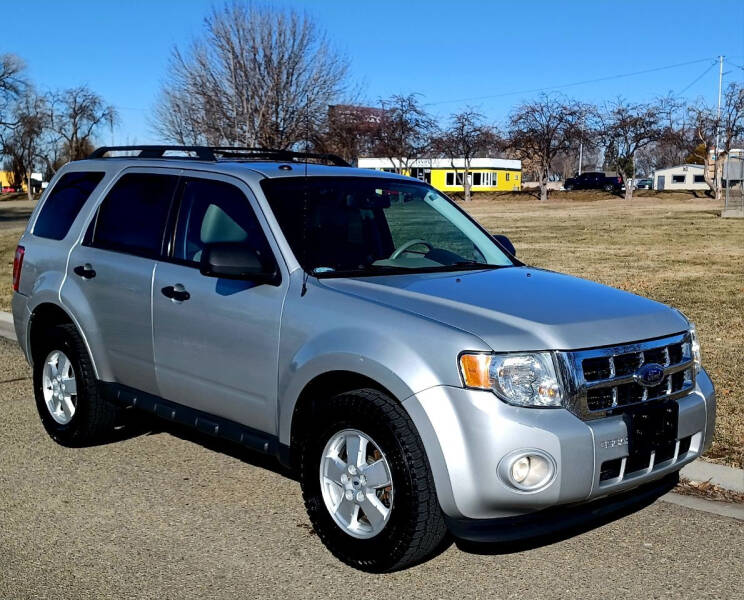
(521, 308)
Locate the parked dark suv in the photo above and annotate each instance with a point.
(594, 181)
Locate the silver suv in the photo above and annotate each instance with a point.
(363, 329)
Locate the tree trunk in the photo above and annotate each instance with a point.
(711, 181)
(628, 185)
(544, 185)
(719, 175)
(466, 184)
(29, 193)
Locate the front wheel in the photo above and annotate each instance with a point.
(367, 485)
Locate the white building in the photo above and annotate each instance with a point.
(680, 177)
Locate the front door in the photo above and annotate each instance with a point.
(660, 182)
(217, 350)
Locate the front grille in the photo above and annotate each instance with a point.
(614, 470)
(609, 378)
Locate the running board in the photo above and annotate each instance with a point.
(212, 425)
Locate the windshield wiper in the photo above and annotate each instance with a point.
(477, 265)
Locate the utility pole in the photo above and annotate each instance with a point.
(581, 154)
(720, 88)
(718, 128)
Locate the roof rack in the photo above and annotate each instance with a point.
(215, 153)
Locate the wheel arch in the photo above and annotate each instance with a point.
(322, 387)
(46, 315)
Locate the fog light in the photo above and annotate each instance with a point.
(520, 469)
(527, 471)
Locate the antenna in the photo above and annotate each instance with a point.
(305, 274)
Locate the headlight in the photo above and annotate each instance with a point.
(521, 379)
(695, 348)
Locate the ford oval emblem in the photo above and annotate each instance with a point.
(650, 375)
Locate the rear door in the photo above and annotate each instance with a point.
(217, 350)
(113, 269)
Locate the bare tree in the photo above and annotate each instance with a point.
(717, 134)
(675, 142)
(257, 77)
(350, 131)
(23, 145)
(12, 84)
(542, 129)
(466, 138)
(627, 129)
(76, 116)
(405, 131)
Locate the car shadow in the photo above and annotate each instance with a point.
(638, 500)
(151, 425)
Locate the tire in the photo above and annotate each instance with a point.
(569, 187)
(94, 418)
(415, 527)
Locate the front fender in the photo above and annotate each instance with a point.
(388, 362)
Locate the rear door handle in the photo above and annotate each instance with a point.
(176, 292)
(85, 271)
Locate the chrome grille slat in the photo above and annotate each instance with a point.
(605, 379)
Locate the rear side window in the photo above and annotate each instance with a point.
(132, 217)
(64, 203)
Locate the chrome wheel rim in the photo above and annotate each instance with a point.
(356, 483)
(59, 386)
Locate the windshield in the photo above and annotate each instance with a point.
(370, 226)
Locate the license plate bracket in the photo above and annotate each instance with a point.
(651, 427)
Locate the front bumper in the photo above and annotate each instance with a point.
(466, 433)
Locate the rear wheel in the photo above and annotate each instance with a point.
(67, 397)
(367, 485)
(609, 188)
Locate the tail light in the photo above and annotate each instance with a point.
(17, 265)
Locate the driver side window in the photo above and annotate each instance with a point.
(214, 211)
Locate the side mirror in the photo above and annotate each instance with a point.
(235, 260)
(505, 243)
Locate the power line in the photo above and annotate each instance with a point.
(698, 78)
(576, 83)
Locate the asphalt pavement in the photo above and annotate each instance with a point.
(162, 515)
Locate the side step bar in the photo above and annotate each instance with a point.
(218, 427)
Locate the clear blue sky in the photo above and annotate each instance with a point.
(492, 53)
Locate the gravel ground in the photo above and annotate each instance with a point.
(162, 516)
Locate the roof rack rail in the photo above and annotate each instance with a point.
(215, 153)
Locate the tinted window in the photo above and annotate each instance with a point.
(64, 203)
(215, 211)
(132, 217)
(371, 226)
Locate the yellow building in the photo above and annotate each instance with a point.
(486, 174)
(5, 179)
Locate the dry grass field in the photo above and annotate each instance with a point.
(669, 247)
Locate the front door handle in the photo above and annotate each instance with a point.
(85, 271)
(176, 292)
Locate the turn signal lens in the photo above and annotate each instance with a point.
(475, 370)
(695, 348)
